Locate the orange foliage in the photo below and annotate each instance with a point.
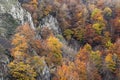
(34, 3)
(20, 44)
(26, 31)
(81, 62)
(81, 69)
(24, 41)
(67, 72)
(45, 32)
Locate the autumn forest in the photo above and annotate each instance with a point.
(86, 46)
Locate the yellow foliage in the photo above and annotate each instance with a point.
(55, 53)
(27, 68)
(109, 44)
(109, 58)
(54, 44)
(97, 15)
(21, 71)
(110, 64)
(37, 63)
(98, 27)
(108, 11)
(87, 47)
(96, 58)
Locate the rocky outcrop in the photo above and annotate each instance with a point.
(44, 74)
(50, 22)
(7, 25)
(4, 59)
(14, 8)
(11, 16)
(3, 67)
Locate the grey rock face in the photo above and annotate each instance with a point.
(7, 25)
(24, 1)
(3, 67)
(50, 22)
(45, 74)
(14, 8)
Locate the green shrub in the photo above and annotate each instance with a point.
(79, 34)
(68, 34)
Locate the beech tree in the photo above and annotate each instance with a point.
(68, 34)
(67, 72)
(107, 12)
(110, 64)
(98, 27)
(54, 47)
(25, 41)
(22, 71)
(20, 45)
(28, 68)
(81, 62)
(97, 15)
(95, 57)
(34, 3)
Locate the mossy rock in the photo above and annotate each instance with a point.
(7, 25)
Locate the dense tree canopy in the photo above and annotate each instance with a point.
(94, 25)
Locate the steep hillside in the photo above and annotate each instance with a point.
(59, 40)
